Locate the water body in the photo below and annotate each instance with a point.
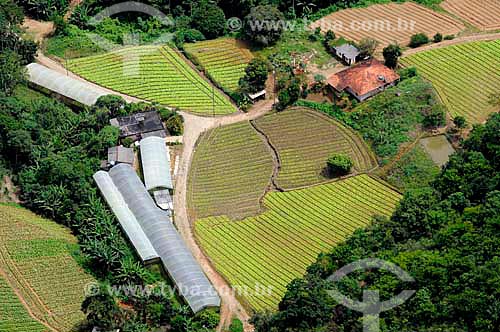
(438, 148)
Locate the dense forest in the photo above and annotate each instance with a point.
(446, 236)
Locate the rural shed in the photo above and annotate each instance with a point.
(125, 217)
(120, 154)
(178, 260)
(347, 52)
(51, 81)
(155, 160)
(139, 125)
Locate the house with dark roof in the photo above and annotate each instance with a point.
(347, 53)
(140, 125)
(364, 80)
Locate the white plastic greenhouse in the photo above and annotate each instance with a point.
(157, 225)
(63, 85)
(156, 163)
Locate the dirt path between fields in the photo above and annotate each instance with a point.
(458, 40)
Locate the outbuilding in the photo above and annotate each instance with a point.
(347, 53)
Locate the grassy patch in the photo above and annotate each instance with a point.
(273, 248)
(414, 170)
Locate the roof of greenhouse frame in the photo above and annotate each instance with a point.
(180, 264)
(125, 217)
(63, 85)
(156, 163)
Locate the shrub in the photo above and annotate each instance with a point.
(437, 37)
(329, 36)
(115, 104)
(208, 318)
(339, 164)
(236, 325)
(406, 73)
(255, 76)
(367, 46)
(435, 117)
(418, 39)
(460, 122)
(391, 54)
(449, 37)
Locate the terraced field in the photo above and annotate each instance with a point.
(305, 139)
(224, 60)
(484, 14)
(13, 315)
(464, 75)
(271, 249)
(230, 171)
(388, 23)
(36, 256)
(154, 73)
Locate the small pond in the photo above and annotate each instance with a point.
(438, 148)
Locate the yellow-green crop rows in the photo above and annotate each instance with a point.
(465, 75)
(231, 169)
(224, 60)
(273, 248)
(36, 256)
(13, 315)
(153, 73)
(304, 139)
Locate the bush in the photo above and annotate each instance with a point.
(329, 36)
(209, 19)
(460, 122)
(339, 164)
(255, 76)
(367, 47)
(115, 104)
(406, 73)
(175, 124)
(437, 38)
(391, 55)
(449, 37)
(435, 117)
(418, 39)
(236, 325)
(208, 318)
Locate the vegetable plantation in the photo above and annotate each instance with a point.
(273, 248)
(230, 171)
(224, 60)
(154, 73)
(304, 139)
(13, 315)
(36, 255)
(464, 75)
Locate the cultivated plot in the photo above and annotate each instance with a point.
(153, 73)
(230, 172)
(36, 256)
(262, 254)
(224, 60)
(483, 14)
(305, 139)
(388, 23)
(464, 75)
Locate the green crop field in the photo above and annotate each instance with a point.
(36, 257)
(153, 73)
(276, 246)
(224, 60)
(464, 75)
(231, 169)
(13, 315)
(304, 139)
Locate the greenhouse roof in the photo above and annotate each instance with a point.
(156, 163)
(63, 85)
(125, 217)
(180, 264)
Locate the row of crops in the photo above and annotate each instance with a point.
(13, 315)
(260, 255)
(37, 256)
(465, 76)
(230, 171)
(224, 60)
(305, 139)
(154, 73)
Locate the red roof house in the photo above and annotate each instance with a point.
(364, 80)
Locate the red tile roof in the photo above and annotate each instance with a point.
(363, 77)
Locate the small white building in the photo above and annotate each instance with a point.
(347, 53)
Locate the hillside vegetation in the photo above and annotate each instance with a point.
(269, 250)
(36, 257)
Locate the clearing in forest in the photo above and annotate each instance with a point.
(154, 73)
(224, 60)
(273, 248)
(230, 172)
(388, 23)
(464, 75)
(36, 258)
(304, 139)
(484, 14)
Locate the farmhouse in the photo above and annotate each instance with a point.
(347, 53)
(364, 80)
(140, 125)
